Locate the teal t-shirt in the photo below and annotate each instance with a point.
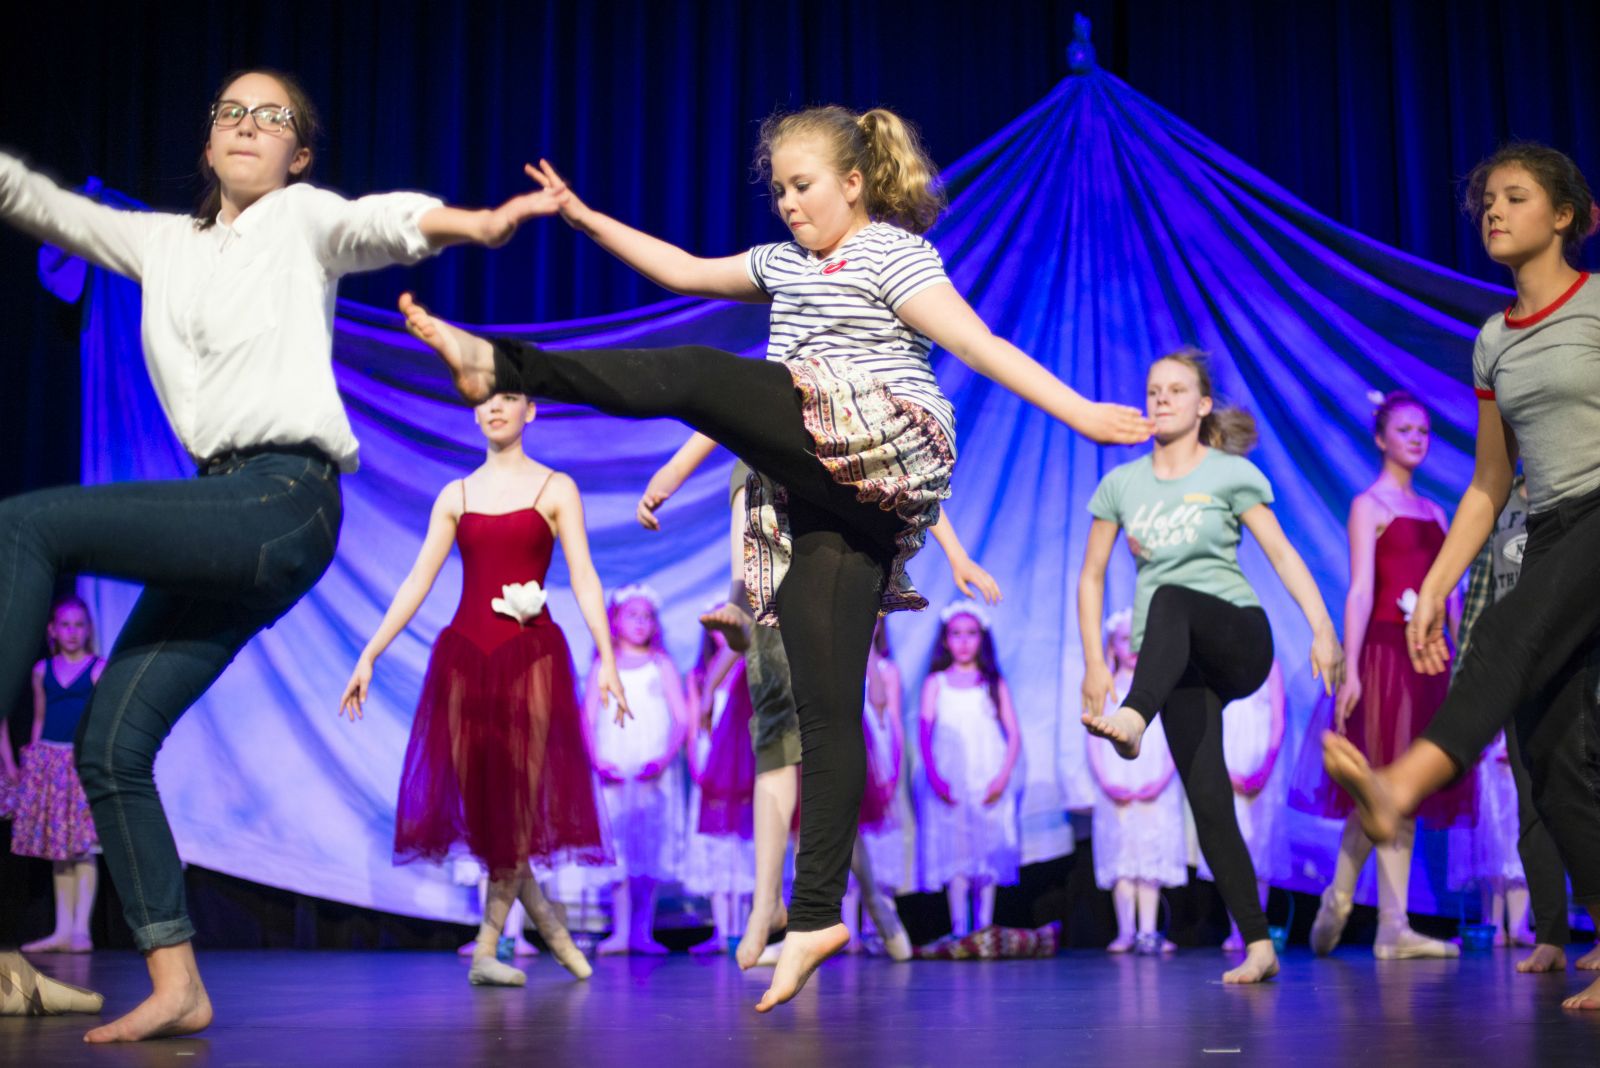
(1184, 531)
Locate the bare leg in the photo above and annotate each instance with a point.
(1124, 898)
(1396, 940)
(1149, 898)
(1386, 796)
(621, 919)
(66, 891)
(86, 880)
(1123, 728)
(642, 939)
(486, 967)
(776, 794)
(1516, 900)
(1354, 849)
(177, 1005)
(960, 915)
(983, 905)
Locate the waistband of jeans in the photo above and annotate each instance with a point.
(225, 460)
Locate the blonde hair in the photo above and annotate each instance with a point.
(1229, 428)
(901, 183)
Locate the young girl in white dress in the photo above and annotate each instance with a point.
(721, 860)
(1138, 836)
(640, 773)
(971, 838)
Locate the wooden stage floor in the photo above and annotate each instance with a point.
(406, 1008)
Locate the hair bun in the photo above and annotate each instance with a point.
(1594, 220)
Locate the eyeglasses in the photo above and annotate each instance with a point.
(269, 118)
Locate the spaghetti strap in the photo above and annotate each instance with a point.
(463, 484)
(538, 496)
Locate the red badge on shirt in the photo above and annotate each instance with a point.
(835, 267)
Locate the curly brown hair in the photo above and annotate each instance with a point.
(1556, 174)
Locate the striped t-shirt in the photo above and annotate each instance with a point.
(844, 306)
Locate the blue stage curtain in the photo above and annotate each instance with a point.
(1096, 231)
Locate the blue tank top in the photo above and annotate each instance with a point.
(64, 705)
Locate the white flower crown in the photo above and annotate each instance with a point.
(965, 608)
(1117, 621)
(623, 594)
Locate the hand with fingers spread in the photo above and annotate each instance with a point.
(557, 193)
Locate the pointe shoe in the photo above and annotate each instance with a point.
(886, 918)
(25, 991)
(555, 934)
(1402, 943)
(1328, 927)
(487, 971)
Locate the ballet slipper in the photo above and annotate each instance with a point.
(1124, 729)
(1402, 943)
(886, 918)
(487, 971)
(1328, 927)
(547, 919)
(711, 947)
(25, 991)
(1121, 944)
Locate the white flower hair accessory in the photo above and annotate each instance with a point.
(520, 601)
(1408, 603)
(624, 594)
(1118, 621)
(1376, 397)
(965, 608)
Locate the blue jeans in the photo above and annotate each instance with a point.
(221, 558)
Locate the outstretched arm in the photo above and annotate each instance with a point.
(1098, 685)
(407, 599)
(665, 264)
(1327, 658)
(108, 237)
(942, 314)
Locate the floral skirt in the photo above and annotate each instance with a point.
(52, 818)
(891, 452)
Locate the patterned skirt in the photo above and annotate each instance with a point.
(891, 452)
(52, 818)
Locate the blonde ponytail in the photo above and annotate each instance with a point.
(1228, 428)
(900, 182)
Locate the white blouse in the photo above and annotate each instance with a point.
(238, 320)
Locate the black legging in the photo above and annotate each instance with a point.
(1526, 669)
(828, 602)
(1541, 863)
(1199, 653)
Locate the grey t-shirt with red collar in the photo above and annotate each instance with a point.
(1544, 373)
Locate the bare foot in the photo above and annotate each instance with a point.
(1260, 964)
(51, 943)
(1543, 959)
(1590, 961)
(762, 925)
(1589, 999)
(1120, 944)
(1375, 806)
(732, 622)
(1403, 943)
(173, 1011)
(26, 991)
(803, 953)
(648, 946)
(1123, 729)
(615, 946)
(470, 358)
(487, 971)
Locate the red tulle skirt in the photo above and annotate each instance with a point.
(728, 784)
(497, 765)
(1397, 704)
